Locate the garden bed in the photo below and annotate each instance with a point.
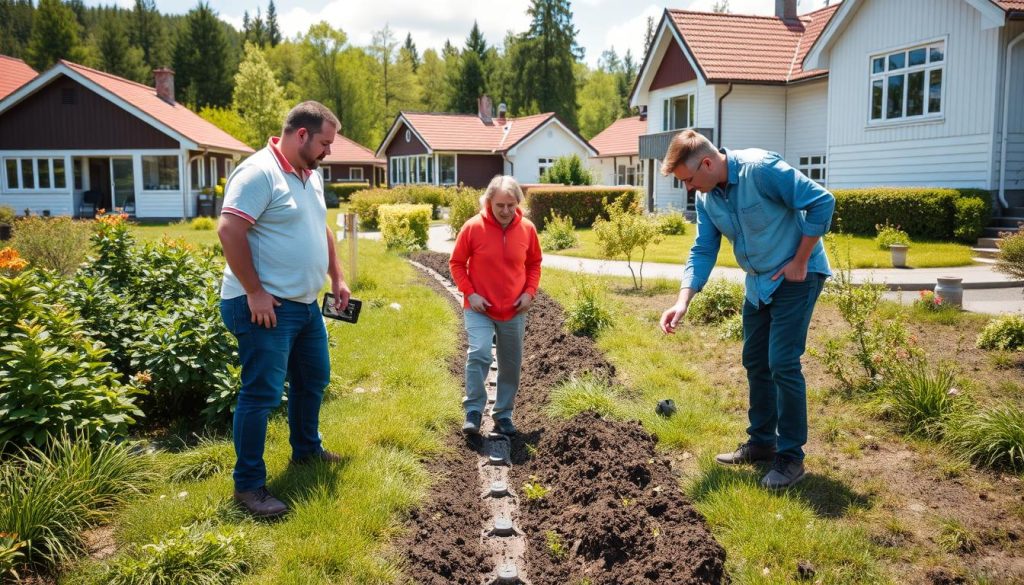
(614, 512)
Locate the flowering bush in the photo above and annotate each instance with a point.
(11, 262)
(888, 235)
(929, 301)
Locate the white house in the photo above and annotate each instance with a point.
(618, 153)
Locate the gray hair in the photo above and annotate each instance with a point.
(505, 183)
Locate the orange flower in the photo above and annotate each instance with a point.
(11, 261)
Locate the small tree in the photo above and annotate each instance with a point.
(568, 170)
(625, 230)
(1011, 255)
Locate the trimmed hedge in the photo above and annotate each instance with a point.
(583, 204)
(336, 192)
(366, 202)
(923, 212)
(404, 226)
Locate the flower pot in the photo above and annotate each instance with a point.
(950, 290)
(899, 255)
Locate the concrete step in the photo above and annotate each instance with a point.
(985, 252)
(993, 232)
(1013, 212)
(1006, 221)
(989, 242)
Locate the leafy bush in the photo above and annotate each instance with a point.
(582, 204)
(625, 230)
(971, 215)
(404, 227)
(889, 235)
(461, 207)
(7, 216)
(203, 224)
(59, 244)
(335, 192)
(48, 496)
(920, 400)
(719, 300)
(587, 314)
(1004, 333)
(11, 262)
(731, 329)
(993, 437)
(366, 202)
(1011, 255)
(558, 234)
(568, 170)
(924, 212)
(672, 223)
(931, 302)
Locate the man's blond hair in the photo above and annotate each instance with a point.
(686, 148)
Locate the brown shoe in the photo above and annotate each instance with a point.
(747, 453)
(261, 504)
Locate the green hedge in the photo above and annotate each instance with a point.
(336, 192)
(366, 202)
(923, 212)
(583, 204)
(404, 226)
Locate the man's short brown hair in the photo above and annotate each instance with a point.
(685, 148)
(310, 115)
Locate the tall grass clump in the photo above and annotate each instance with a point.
(582, 394)
(203, 224)
(49, 496)
(992, 437)
(59, 244)
(719, 300)
(206, 459)
(588, 312)
(921, 400)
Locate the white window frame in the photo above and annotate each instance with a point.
(355, 173)
(885, 74)
(455, 169)
(325, 172)
(198, 171)
(177, 166)
(815, 166)
(214, 174)
(229, 167)
(414, 169)
(669, 122)
(543, 164)
(34, 162)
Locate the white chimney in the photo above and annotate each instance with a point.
(502, 113)
(164, 84)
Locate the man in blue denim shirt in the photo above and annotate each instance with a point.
(775, 218)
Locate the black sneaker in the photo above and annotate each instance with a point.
(472, 424)
(504, 426)
(261, 503)
(747, 453)
(785, 472)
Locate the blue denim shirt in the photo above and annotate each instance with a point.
(765, 209)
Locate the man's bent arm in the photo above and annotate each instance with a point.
(232, 232)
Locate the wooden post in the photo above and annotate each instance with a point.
(351, 232)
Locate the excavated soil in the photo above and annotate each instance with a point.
(614, 513)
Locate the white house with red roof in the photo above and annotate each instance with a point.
(74, 139)
(351, 162)
(14, 73)
(859, 93)
(618, 153)
(449, 149)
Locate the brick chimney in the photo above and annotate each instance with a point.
(785, 9)
(484, 109)
(164, 84)
(502, 114)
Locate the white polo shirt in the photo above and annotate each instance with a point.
(288, 237)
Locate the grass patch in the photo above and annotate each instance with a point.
(581, 394)
(864, 252)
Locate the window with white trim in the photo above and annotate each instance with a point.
(355, 173)
(814, 166)
(907, 84)
(160, 173)
(35, 174)
(415, 169)
(229, 167)
(198, 180)
(325, 172)
(627, 175)
(543, 164)
(679, 112)
(214, 172)
(446, 169)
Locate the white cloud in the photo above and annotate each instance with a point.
(628, 35)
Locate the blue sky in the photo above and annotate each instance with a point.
(602, 23)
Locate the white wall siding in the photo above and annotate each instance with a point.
(551, 141)
(755, 117)
(1015, 143)
(158, 205)
(56, 203)
(960, 161)
(603, 170)
(656, 107)
(806, 119)
(665, 195)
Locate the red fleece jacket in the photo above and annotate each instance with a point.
(495, 263)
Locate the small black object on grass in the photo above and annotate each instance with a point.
(666, 407)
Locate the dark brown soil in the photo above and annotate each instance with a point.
(614, 505)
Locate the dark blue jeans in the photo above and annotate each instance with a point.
(296, 351)
(774, 338)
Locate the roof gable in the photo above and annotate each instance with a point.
(674, 68)
(621, 138)
(347, 151)
(14, 73)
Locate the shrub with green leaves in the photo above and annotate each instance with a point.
(59, 244)
(336, 192)
(923, 212)
(461, 207)
(404, 227)
(7, 216)
(731, 329)
(568, 170)
(588, 312)
(672, 223)
(889, 235)
(719, 300)
(582, 204)
(203, 224)
(1004, 333)
(366, 202)
(1011, 255)
(920, 400)
(558, 234)
(993, 437)
(971, 215)
(627, 231)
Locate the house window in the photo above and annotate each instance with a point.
(355, 174)
(416, 169)
(160, 173)
(679, 112)
(35, 173)
(626, 175)
(814, 166)
(214, 175)
(325, 172)
(446, 168)
(907, 84)
(543, 164)
(198, 180)
(229, 167)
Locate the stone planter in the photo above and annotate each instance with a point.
(5, 231)
(950, 290)
(899, 255)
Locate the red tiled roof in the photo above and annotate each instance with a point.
(176, 116)
(738, 47)
(346, 151)
(14, 73)
(1009, 5)
(467, 132)
(621, 138)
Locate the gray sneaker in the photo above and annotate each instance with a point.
(261, 504)
(747, 453)
(472, 424)
(785, 472)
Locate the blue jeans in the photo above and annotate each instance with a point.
(480, 329)
(774, 338)
(296, 351)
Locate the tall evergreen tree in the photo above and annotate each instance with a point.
(544, 62)
(468, 84)
(202, 59)
(116, 54)
(148, 32)
(449, 50)
(409, 52)
(477, 43)
(273, 30)
(396, 82)
(648, 35)
(254, 30)
(258, 98)
(15, 27)
(54, 35)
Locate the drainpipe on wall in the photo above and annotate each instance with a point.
(1006, 120)
(720, 100)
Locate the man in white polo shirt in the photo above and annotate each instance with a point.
(278, 248)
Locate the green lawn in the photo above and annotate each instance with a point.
(864, 253)
(183, 230)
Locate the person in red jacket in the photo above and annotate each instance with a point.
(496, 265)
